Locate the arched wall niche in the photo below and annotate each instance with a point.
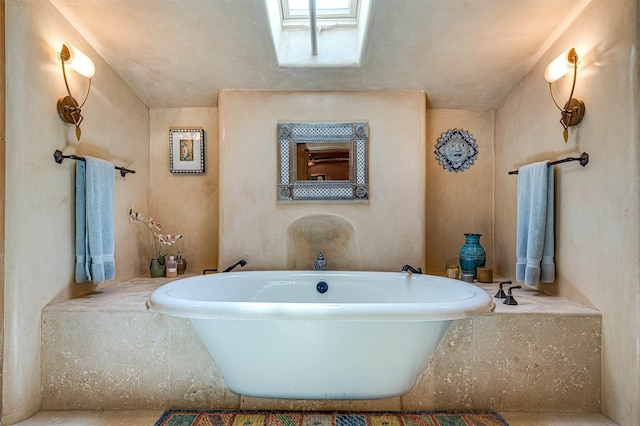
(326, 233)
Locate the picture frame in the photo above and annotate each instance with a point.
(186, 151)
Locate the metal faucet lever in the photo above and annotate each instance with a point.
(241, 262)
(510, 300)
(500, 294)
(411, 269)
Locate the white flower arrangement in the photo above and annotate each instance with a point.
(159, 239)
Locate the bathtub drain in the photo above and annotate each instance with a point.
(322, 287)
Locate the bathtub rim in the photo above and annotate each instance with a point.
(160, 301)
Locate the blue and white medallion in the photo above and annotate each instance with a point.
(456, 150)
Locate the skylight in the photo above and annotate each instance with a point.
(336, 36)
(325, 9)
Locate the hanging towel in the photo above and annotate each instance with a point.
(534, 229)
(95, 183)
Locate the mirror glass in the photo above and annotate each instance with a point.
(323, 161)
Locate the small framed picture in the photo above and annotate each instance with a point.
(186, 150)
(319, 177)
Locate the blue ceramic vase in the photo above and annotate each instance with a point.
(472, 255)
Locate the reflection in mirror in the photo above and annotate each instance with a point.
(323, 161)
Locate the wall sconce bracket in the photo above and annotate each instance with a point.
(68, 110)
(573, 112)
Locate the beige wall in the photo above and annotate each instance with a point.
(388, 228)
(458, 203)
(39, 239)
(597, 208)
(186, 204)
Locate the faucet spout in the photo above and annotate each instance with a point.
(320, 264)
(240, 263)
(411, 269)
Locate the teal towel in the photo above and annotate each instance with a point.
(95, 185)
(534, 230)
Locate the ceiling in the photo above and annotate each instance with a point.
(465, 54)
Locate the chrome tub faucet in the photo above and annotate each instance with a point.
(320, 264)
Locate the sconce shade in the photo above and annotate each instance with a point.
(69, 110)
(77, 61)
(560, 66)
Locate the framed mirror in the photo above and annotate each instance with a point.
(323, 161)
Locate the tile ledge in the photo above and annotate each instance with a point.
(536, 303)
(130, 295)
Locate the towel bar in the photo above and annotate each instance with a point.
(57, 155)
(583, 159)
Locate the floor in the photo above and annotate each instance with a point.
(149, 417)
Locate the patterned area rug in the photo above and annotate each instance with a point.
(300, 418)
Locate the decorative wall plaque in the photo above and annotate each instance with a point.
(456, 150)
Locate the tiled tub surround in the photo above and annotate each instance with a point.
(106, 351)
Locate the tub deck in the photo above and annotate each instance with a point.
(131, 295)
(106, 351)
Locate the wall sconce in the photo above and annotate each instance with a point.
(573, 110)
(68, 108)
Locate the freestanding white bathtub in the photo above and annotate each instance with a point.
(274, 334)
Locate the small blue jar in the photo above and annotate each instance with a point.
(472, 255)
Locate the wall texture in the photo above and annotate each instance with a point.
(462, 202)
(597, 207)
(186, 204)
(39, 239)
(388, 229)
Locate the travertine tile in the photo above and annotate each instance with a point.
(447, 380)
(516, 362)
(195, 381)
(537, 362)
(556, 419)
(386, 404)
(123, 296)
(94, 418)
(536, 303)
(102, 360)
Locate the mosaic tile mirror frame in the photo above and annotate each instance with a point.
(353, 186)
